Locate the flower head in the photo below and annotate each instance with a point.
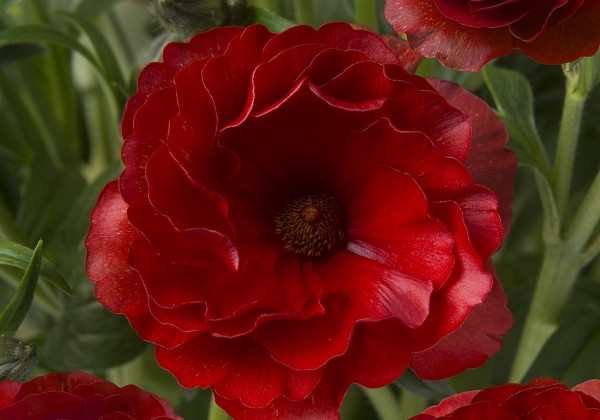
(541, 398)
(298, 213)
(466, 34)
(79, 396)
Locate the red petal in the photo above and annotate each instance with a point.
(288, 65)
(388, 222)
(187, 204)
(50, 404)
(576, 37)
(448, 405)
(376, 291)
(409, 58)
(482, 410)
(498, 394)
(414, 109)
(97, 406)
(591, 388)
(345, 37)
(227, 77)
(309, 343)
(8, 391)
(434, 35)
(489, 162)
(153, 77)
(118, 287)
(378, 354)
(360, 85)
(471, 344)
(322, 404)
(236, 368)
(467, 287)
(563, 399)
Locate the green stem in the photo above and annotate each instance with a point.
(567, 145)
(303, 11)
(560, 268)
(215, 412)
(587, 216)
(366, 13)
(385, 402)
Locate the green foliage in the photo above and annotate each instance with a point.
(431, 390)
(19, 256)
(14, 312)
(87, 336)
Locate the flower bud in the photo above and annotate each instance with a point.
(190, 16)
(17, 360)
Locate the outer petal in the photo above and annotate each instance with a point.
(118, 287)
(489, 162)
(60, 405)
(448, 405)
(236, 368)
(591, 388)
(471, 344)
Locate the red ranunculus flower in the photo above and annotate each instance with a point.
(541, 398)
(79, 396)
(466, 34)
(298, 213)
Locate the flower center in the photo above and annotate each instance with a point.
(309, 224)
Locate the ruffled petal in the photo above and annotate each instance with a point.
(471, 345)
(489, 162)
(118, 286)
(236, 368)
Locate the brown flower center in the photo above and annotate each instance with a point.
(309, 224)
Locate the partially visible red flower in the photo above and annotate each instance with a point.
(79, 396)
(298, 213)
(540, 399)
(466, 34)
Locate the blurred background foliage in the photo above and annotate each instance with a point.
(66, 70)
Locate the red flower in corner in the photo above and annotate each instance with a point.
(466, 34)
(79, 396)
(298, 213)
(540, 399)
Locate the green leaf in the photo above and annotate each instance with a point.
(514, 101)
(44, 33)
(90, 9)
(268, 18)
(19, 256)
(14, 313)
(104, 52)
(15, 52)
(90, 337)
(432, 390)
(7, 3)
(47, 198)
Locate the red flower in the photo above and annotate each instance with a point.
(79, 396)
(539, 399)
(298, 213)
(466, 34)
